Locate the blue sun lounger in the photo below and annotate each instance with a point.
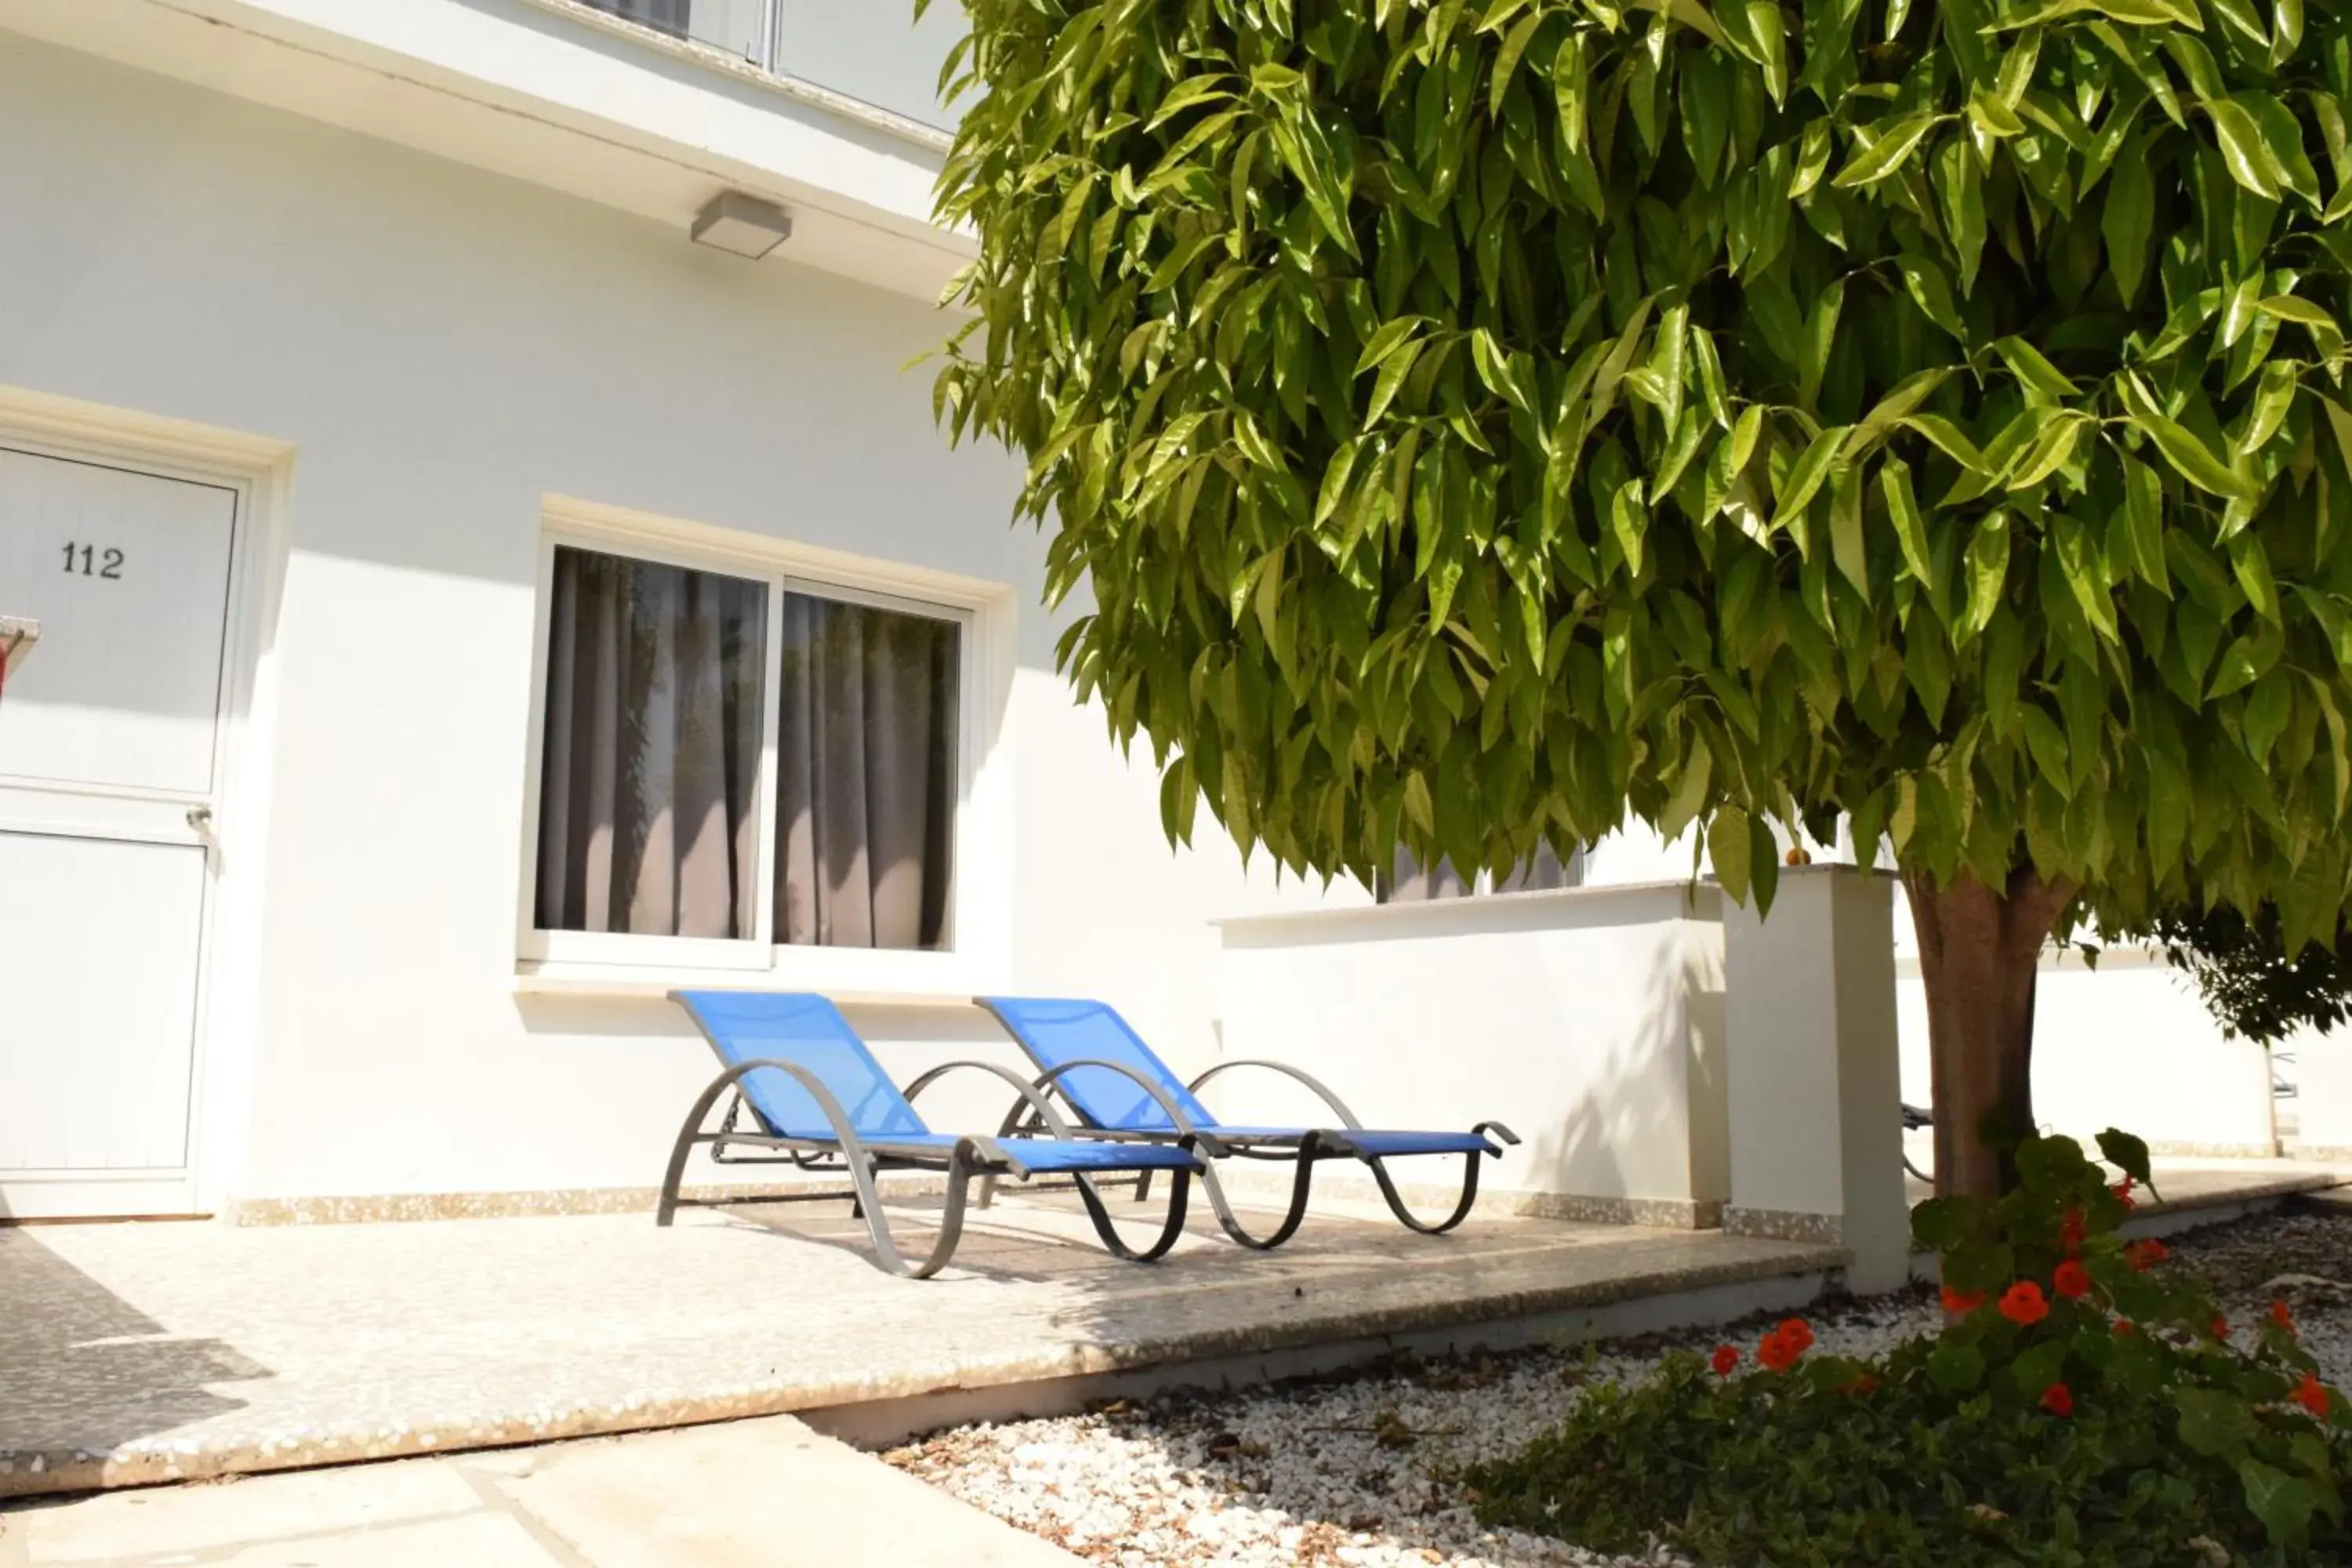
(819, 1100)
(1120, 1089)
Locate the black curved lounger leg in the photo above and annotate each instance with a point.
(1301, 1184)
(1406, 1217)
(1179, 1199)
(1469, 1199)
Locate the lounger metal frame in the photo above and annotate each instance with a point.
(862, 1159)
(1304, 1150)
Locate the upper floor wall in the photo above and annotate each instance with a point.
(654, 107)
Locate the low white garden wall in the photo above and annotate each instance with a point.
(1589, 1019)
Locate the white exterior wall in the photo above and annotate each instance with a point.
(1587, 1020)
(441, 348)
(2128, 1044)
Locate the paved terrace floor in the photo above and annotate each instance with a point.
(134, 1353)
(140, 1354)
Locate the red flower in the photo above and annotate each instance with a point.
(2221, 1327)
(2123, 1191)
(2281, 1317)
(2023, 1304)
(1783, 1347)
(1726, 1359)
(2070, 1232)
(2126, 1327)
(1959, 1303)
(2058, 1399)
(2073, 1280)
(2312, 1395)
(2140, 1254)
(1865, 1383)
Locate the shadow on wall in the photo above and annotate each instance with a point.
(81, 1370)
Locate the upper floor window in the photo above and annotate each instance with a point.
(871, 50)
(1409, 881)
(739, 26)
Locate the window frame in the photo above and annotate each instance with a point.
(980, 611)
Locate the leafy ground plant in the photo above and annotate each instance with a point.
(2085, 1405)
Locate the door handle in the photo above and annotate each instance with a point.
(199, 822)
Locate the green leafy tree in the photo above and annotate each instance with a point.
(1487, 421)
(2253, 985)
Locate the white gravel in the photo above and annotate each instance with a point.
(1356, 1470)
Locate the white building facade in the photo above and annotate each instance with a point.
(470, 608)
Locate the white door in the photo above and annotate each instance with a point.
(110, 765)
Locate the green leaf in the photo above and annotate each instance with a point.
(1939, 1225)
(1690, 792)
(2189, 458)
(2127, 1154)
(2032, 371)
(1847, 546)
(1744, 435)
(2144, 518)
(2047, 744)
(2326, 333)
(1506, 59)
(1947, 439)
(1727, 851)
(1886, 153)
(1959, 198)
(2281, 136)
(1807, 478)
(1932, 292)
(1902, 510)
(2240, 136)
(1388, 340)
(1394, 368)
(2274, 400)
(2252, 568)
(1987, 571)
(1629, 520)
(2214, 1423)
(2049, 452)
(1956, 1366)
(2283, 1503)
(1820, 336)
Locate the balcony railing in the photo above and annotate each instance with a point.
(872, 50)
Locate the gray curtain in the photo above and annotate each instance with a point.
(866, 791)
(650, 777)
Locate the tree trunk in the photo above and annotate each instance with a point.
(1979, 951)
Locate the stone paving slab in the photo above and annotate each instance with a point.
(142, 1354)
(766, 1493)
(2188, 1186)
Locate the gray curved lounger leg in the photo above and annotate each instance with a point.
(861, 1170)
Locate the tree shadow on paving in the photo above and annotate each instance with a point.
(82, 1371)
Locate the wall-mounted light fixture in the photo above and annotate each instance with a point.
(741, 225)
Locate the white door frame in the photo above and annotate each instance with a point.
(260, 472)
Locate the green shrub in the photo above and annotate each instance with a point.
(2083, 1404)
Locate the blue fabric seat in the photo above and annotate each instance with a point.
(818, 1095)
(1118, 1086)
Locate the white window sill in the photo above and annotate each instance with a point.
(896, 980)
